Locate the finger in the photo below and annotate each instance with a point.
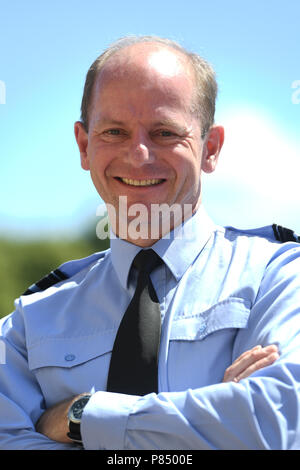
(260, 364)
(246, 355)
(238, 365)
(253, 356)
(242, 362)
(246, 360)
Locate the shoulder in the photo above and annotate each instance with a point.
(258, 247)
(55, 304)
(52, 309)
(67, 271)
(273, 233)
(274, 248)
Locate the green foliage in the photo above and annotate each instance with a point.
(23, 263)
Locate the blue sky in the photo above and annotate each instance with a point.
(46, 48)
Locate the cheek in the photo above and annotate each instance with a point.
(186, 165)
(97, 170)
(101, 158)
(97, 162)
(98, 178)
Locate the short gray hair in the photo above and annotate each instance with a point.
(206, 85)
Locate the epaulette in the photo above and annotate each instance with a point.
(283, 234)
(52, 278)
(63, 272)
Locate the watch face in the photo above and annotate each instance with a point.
(77, 409)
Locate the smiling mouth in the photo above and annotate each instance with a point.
(148, 182)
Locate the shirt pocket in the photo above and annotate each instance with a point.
(201, 344)
(68, 366)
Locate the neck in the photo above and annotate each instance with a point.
(144, 232)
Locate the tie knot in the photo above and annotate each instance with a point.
(146, 260)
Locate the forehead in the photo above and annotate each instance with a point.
(156, 57)
(155, 53)
(145, 72)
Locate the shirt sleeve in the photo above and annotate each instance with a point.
(260, 412)
(21, 400)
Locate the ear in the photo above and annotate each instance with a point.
(82, 141)
(212, 147)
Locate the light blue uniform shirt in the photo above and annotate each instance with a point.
(222, 291)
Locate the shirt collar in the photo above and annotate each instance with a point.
(178, 249)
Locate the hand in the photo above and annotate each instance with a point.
(251, 361)
(53, 423)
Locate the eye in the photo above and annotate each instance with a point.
(114, 134)
(165, 136)
(164, 133)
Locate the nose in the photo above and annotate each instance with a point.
(141, 150)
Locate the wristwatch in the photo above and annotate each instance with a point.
(74, 417)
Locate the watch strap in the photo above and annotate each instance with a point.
(74, 432)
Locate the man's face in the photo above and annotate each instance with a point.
(143, 142)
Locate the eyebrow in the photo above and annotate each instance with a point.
(163, 122)
(108, 121)
(171, 123)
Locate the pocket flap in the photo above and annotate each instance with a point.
(230, 313)
(69, 352)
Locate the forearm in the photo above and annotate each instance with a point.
(53, 423)
(21, 400)
(28, 439)
(247, 415)
(17, 430)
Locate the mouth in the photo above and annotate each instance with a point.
(145, 182)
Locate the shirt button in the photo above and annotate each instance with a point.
(69, 357)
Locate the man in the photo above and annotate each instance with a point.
(147, 133)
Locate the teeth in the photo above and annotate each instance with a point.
(141, 182)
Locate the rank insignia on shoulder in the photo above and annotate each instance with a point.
(52, 278)
(283, 234)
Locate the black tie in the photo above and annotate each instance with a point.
(134, 360)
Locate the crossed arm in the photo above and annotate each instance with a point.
(54, 422)
(260, 412)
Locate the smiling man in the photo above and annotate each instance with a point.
(163, 341)
(146, 141)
